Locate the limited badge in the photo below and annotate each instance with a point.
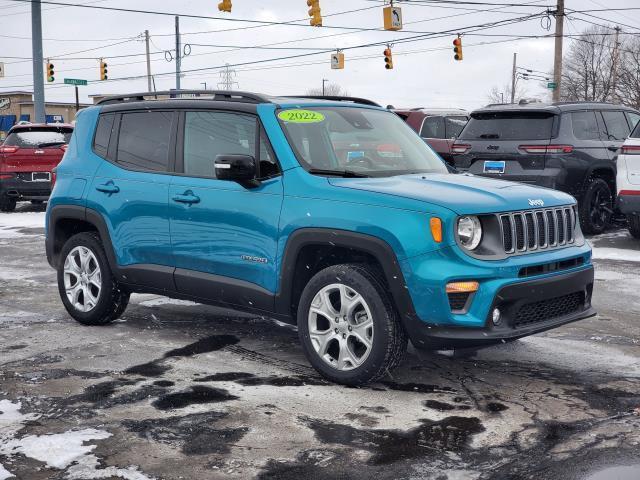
(301, 116)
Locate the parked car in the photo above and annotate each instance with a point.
(242, 200)
(567, 146)
(437, 126)
(27, 157)
(628, 181)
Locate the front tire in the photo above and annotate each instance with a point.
(349, 329)
(633, 224)
(86, 284)
(596, 207)
(7, 204)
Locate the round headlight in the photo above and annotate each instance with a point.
(469, 232)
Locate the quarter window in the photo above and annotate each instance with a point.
(633, 118)
(585, 125)
(143, 143)
(103, 134)
(617, 126)
(209, 134)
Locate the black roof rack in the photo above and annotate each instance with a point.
(336, 98)
(219, 95)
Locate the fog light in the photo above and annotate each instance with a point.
(496, 316)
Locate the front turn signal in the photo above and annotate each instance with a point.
(462, 287)
(436, 229)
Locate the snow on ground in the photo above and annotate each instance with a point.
(156, 302)
(606, 253)
(61, 451)
(11, 224)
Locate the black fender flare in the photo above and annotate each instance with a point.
(374, 246)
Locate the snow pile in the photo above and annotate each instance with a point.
(12, 223)
(62, 451)
(606, 253)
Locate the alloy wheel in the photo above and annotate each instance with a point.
(82, 279)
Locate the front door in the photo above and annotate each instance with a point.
(224, 235)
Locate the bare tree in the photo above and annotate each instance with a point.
(503, 95)
(588, 66)
(331, 89)
(628, 85)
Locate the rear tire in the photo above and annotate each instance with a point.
(349, 329)
(633, 224)
(86, 284)
(596, 207)
(7, 204)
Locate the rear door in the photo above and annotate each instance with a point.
(131, 191)
(511, 142)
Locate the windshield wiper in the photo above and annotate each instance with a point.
(50, 144)
(339, 173)
(489, 135)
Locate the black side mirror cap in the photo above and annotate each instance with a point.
(237, 168)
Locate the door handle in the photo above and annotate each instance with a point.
(187, 197)
(108, 187)
(613, 148)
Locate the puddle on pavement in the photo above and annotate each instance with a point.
(204, 345)
(149, 369)
(417, 387)
(196, 394)
(250, 380)
(628, 472)
(443, 406)
(224, 377)
(451, 434)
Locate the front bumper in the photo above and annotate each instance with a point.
(20, 188)
(629, 203)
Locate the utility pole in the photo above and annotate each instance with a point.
(323, 82)
(146, 40)
(557, 60)
(513, 79)
(614, 66)
(38, 75)
(77, 99)
(178, 53)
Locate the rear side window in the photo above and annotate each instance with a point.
(143, 143)
(103, 134)
(509, 126)
(633, 122)
(38, 137)
(433, 127)
(585, 125)
(454, 125)
(617, 126)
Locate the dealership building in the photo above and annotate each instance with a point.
(17, 106)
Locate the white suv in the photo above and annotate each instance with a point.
(628, 181)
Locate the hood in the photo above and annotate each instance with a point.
(464, 194)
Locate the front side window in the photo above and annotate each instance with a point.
(633, 119)
(143, 142)
(367, 141)
(585, 125)
(433, 127)
(616, 123)
(38, 137)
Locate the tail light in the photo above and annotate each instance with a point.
(542, 149)
(460, 148)
(629, 192)
(9, 149)
(630, 150)
(64, 147)
(5, 176)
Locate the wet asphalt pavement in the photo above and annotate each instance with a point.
(176, 390)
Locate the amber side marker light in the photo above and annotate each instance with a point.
(462, 287)
(436, 229)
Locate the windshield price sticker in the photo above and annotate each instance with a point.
(301, 116)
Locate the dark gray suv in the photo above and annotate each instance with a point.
(567, 146)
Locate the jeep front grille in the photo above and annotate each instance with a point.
(533, 230)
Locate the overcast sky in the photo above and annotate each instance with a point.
(425, 73)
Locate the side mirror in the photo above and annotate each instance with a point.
(237, 168)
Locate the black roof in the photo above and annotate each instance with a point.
(556, 107)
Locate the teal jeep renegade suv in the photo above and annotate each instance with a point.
(329, 213)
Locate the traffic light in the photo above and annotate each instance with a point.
(314, 13)
(51, 74)
(388, 59)
(457, 48)
(225, 6)
(103, 70)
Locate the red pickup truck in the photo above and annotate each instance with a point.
(438, 127)
(27, 157)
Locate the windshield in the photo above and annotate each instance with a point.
(368, 142)
(508, 126)
(38, 137)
